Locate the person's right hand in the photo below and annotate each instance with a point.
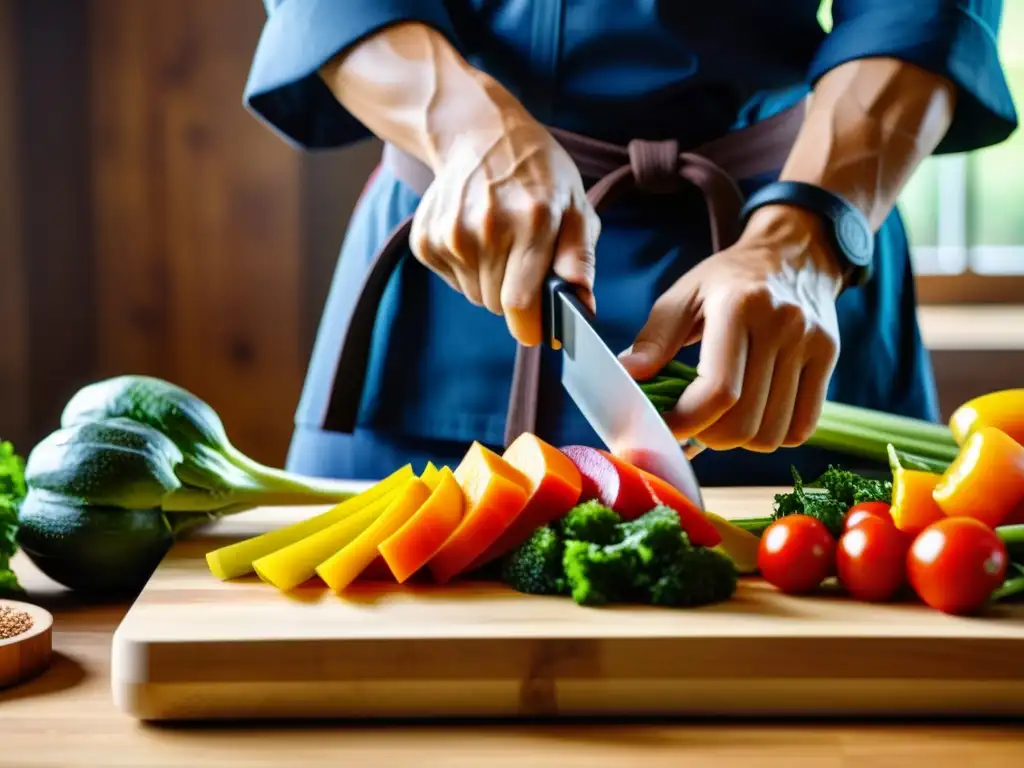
(506, 206)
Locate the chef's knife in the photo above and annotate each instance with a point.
(609, 398)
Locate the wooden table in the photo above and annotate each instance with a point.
(66, 719)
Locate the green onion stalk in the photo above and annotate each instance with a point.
(845, 429)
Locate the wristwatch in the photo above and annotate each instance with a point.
(847, 229)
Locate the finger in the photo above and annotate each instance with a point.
(431, 259)
(811, 394)
(778, 411)
(574, 254)
(671, 322)
(740, 423)
(720, 372)
(460, 253)
(527, 267)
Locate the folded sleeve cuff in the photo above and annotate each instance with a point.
(299, 37)
(950, 41)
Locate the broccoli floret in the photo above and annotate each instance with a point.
(592, 521)
(653, 562)
(850, 488)
(598, 574)
(535, 566)
(818, 504)
(695, 576)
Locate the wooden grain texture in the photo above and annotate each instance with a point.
(199, 235)
(66, 719)
(195, 647)
(28, 654)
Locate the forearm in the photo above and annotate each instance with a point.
(410, 87)
(869, 124)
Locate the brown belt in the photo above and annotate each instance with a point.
(654, 167)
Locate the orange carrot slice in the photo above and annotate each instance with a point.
(496, 492)
(410, 547)
(554, 489)
(344, 566)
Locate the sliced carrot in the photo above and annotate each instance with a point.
(555, 486)
(986, 480)
(496, 492)
(698, 527)
(344, 566)
(913, 507)
(410, 547)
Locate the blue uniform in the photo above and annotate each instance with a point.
(440, 368)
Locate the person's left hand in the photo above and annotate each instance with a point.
(764, 312)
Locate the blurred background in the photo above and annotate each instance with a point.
(149, 224)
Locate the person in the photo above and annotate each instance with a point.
(475, 92)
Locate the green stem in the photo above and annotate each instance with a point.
(871, 442)
(754, 525)
(312, 487)
(847, 429)
(187, 499)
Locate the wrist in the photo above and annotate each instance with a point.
(471, 112)
(796, 237)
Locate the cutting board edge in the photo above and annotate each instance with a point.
(507, 699)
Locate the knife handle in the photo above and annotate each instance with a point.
(556, 289)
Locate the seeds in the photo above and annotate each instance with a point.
(13, 622)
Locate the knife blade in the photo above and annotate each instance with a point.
(609, 398)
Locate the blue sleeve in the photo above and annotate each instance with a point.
(952, 38)
(300, 36)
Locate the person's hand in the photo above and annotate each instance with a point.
(764, 312)
(506, 206)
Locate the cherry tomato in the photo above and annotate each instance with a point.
(796, 554)
(856, 517)
(955, 564)
(871, 559)
(864, 510)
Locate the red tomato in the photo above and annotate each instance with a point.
(871, 559)
(956, 563)
(859, 512)
(796, 553)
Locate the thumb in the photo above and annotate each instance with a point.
(672, 324)
(575, 260)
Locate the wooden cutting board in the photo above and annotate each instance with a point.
(193, 647)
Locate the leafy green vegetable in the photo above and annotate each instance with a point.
(137, 463)
(12, 490)
(597, 558)
(850, 488)
(814, 503)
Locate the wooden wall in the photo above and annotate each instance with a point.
(148, 223)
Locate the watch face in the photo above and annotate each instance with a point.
(855, 237)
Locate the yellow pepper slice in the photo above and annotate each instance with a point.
(236, 559)
(345, 565)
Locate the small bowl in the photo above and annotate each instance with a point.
(27, 654)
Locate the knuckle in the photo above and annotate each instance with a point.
(821, 343)
(516, 301)
(799, 433)
(724, 395)
(542, 215)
